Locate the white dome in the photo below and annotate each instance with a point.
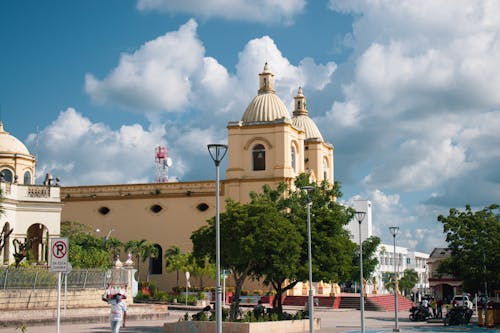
(10, 144)
(306, 124)
(265, 107)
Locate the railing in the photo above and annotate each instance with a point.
(37, 278)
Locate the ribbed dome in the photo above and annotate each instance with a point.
(301, 118)
(308, 126)
(10, 144)
(265, 107)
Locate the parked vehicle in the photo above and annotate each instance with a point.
(462, 300)
(458, 315)
(419, 313)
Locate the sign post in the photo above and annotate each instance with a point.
(59, 253)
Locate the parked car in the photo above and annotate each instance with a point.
(462, 300)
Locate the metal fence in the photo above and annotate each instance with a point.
(39, 278)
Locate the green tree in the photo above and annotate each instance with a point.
(85, 249)
(142, 250)
(332, 249)
(370, 260)
(474, 239)
(408, 281)
(267, 238)
(175, 261)
(240, 241)
(201, 268)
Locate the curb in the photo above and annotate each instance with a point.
(81, 319)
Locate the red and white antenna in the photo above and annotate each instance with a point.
(163, 162)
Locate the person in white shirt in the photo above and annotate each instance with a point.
(118, 313)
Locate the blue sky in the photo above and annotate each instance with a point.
(406, 91)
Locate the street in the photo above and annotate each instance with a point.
(332, 321)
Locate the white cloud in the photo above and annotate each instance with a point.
(270, 11)
(155, 77)
(423, 94)
(81, 152)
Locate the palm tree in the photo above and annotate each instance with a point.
(175, 261)
(142, 250)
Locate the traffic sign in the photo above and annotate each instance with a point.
(59, 253)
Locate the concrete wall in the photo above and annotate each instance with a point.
(16, 299)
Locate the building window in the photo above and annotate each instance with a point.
(104, 210)
(325, 169)
(155, 264)
(294, 159)
(27, 178)
(156, 208)
(7, 175)
(202, 207)
(408, 261)
(259, 157)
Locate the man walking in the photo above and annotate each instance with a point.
(118, 313)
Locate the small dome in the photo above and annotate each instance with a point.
(308, 126)
(301, 118)
(265, 107)
(10, 144)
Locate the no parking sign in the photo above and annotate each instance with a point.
(59, 253)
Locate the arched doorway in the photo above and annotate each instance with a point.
(39, 235)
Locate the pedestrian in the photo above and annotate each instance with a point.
(434, 307)
(439, 306)
(259, 310)
(118, 313)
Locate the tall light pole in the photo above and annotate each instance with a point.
(394, 232)
(217, 153)
(309, 256)
(360, 216)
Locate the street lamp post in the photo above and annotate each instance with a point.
(360, 216)
(217, 153)
(394, 232)
(309, 256)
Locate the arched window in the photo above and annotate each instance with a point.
(325, 169)
(156, 264)
(7, 175)
(259, 157)
(294, 159)
(27, 178)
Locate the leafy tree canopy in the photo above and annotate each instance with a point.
(474, 239)
(85, 249)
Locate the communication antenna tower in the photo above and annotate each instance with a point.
(163, 162)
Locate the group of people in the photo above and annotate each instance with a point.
(433, 307)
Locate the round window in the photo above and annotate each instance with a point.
(156, 208)
(104, 210)
(202, 207)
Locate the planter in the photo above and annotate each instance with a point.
(288, 326)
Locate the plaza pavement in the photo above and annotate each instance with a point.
(149, 320)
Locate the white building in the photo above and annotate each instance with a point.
(404, 258)
(31, 213)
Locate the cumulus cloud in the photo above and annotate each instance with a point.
(269, 11)
(155, 77)
(423, 92)
(81, 152)
(171, 74)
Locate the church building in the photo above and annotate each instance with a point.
(268, 145)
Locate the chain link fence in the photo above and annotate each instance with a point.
(40, 278)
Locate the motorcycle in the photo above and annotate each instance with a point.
(458, 315)
(419, 313)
